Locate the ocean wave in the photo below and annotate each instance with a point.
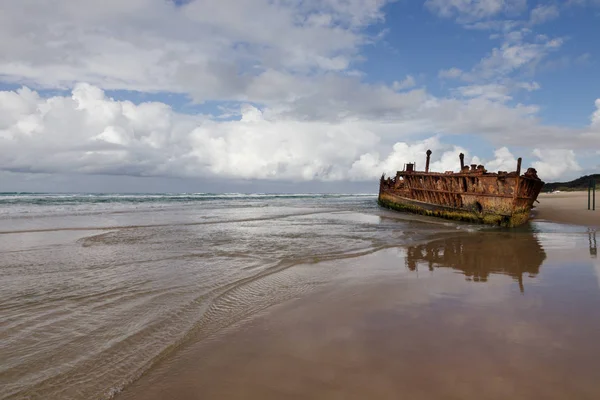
(8, 198)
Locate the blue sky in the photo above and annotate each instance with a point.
(268, 94)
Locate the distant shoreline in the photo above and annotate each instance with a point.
(570, 190)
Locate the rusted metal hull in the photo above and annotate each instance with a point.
(398, 203)
(503, 199)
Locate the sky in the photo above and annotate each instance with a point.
(292, 95)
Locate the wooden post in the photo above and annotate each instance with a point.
(594, 196)
(589, 193)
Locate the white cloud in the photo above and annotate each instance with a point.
(87, 132)
(472, 10)
(550, 164)
(331, 97)
(497, 92)
(544, 13)
(407, 83)
(499, 74)
(596, 114)
(90, 133)
(503, 161)
(490, 91)
(529, 86)
(372, 164)
(554, 163)
(502, 66)
(202, 47)
(495, 25)
(513, 55)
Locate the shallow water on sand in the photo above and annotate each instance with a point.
(484, 315)
(313, 297)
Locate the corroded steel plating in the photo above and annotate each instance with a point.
(473, 194)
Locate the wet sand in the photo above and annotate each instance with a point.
(293, 298)
(484, 316)
(567, 208)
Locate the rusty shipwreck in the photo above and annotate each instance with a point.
(472, 194)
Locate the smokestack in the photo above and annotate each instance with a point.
(519, 166)
(462, 161)
(427, 161)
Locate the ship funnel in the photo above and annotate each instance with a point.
(462, 161)
(519, 166)
(427, 161)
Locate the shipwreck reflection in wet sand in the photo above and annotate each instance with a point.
(593, 243)
(479, 256)
(375, 330)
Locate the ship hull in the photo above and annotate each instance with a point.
(473, 194)
(503, 212)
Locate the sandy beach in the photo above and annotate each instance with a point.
(458, 326)
(567, 208)
(153, 297)
(482, 316)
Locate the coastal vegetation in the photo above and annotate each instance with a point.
(581, 183)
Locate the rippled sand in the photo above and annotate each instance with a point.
(295, 299)
(439, 320)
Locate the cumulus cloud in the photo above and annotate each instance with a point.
(90, 133)
(372, 164)
(503, 160)
(550, 164)
(87, 132)
(554, 163)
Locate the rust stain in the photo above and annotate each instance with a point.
(473, 194)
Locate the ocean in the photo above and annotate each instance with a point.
(101, 294)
